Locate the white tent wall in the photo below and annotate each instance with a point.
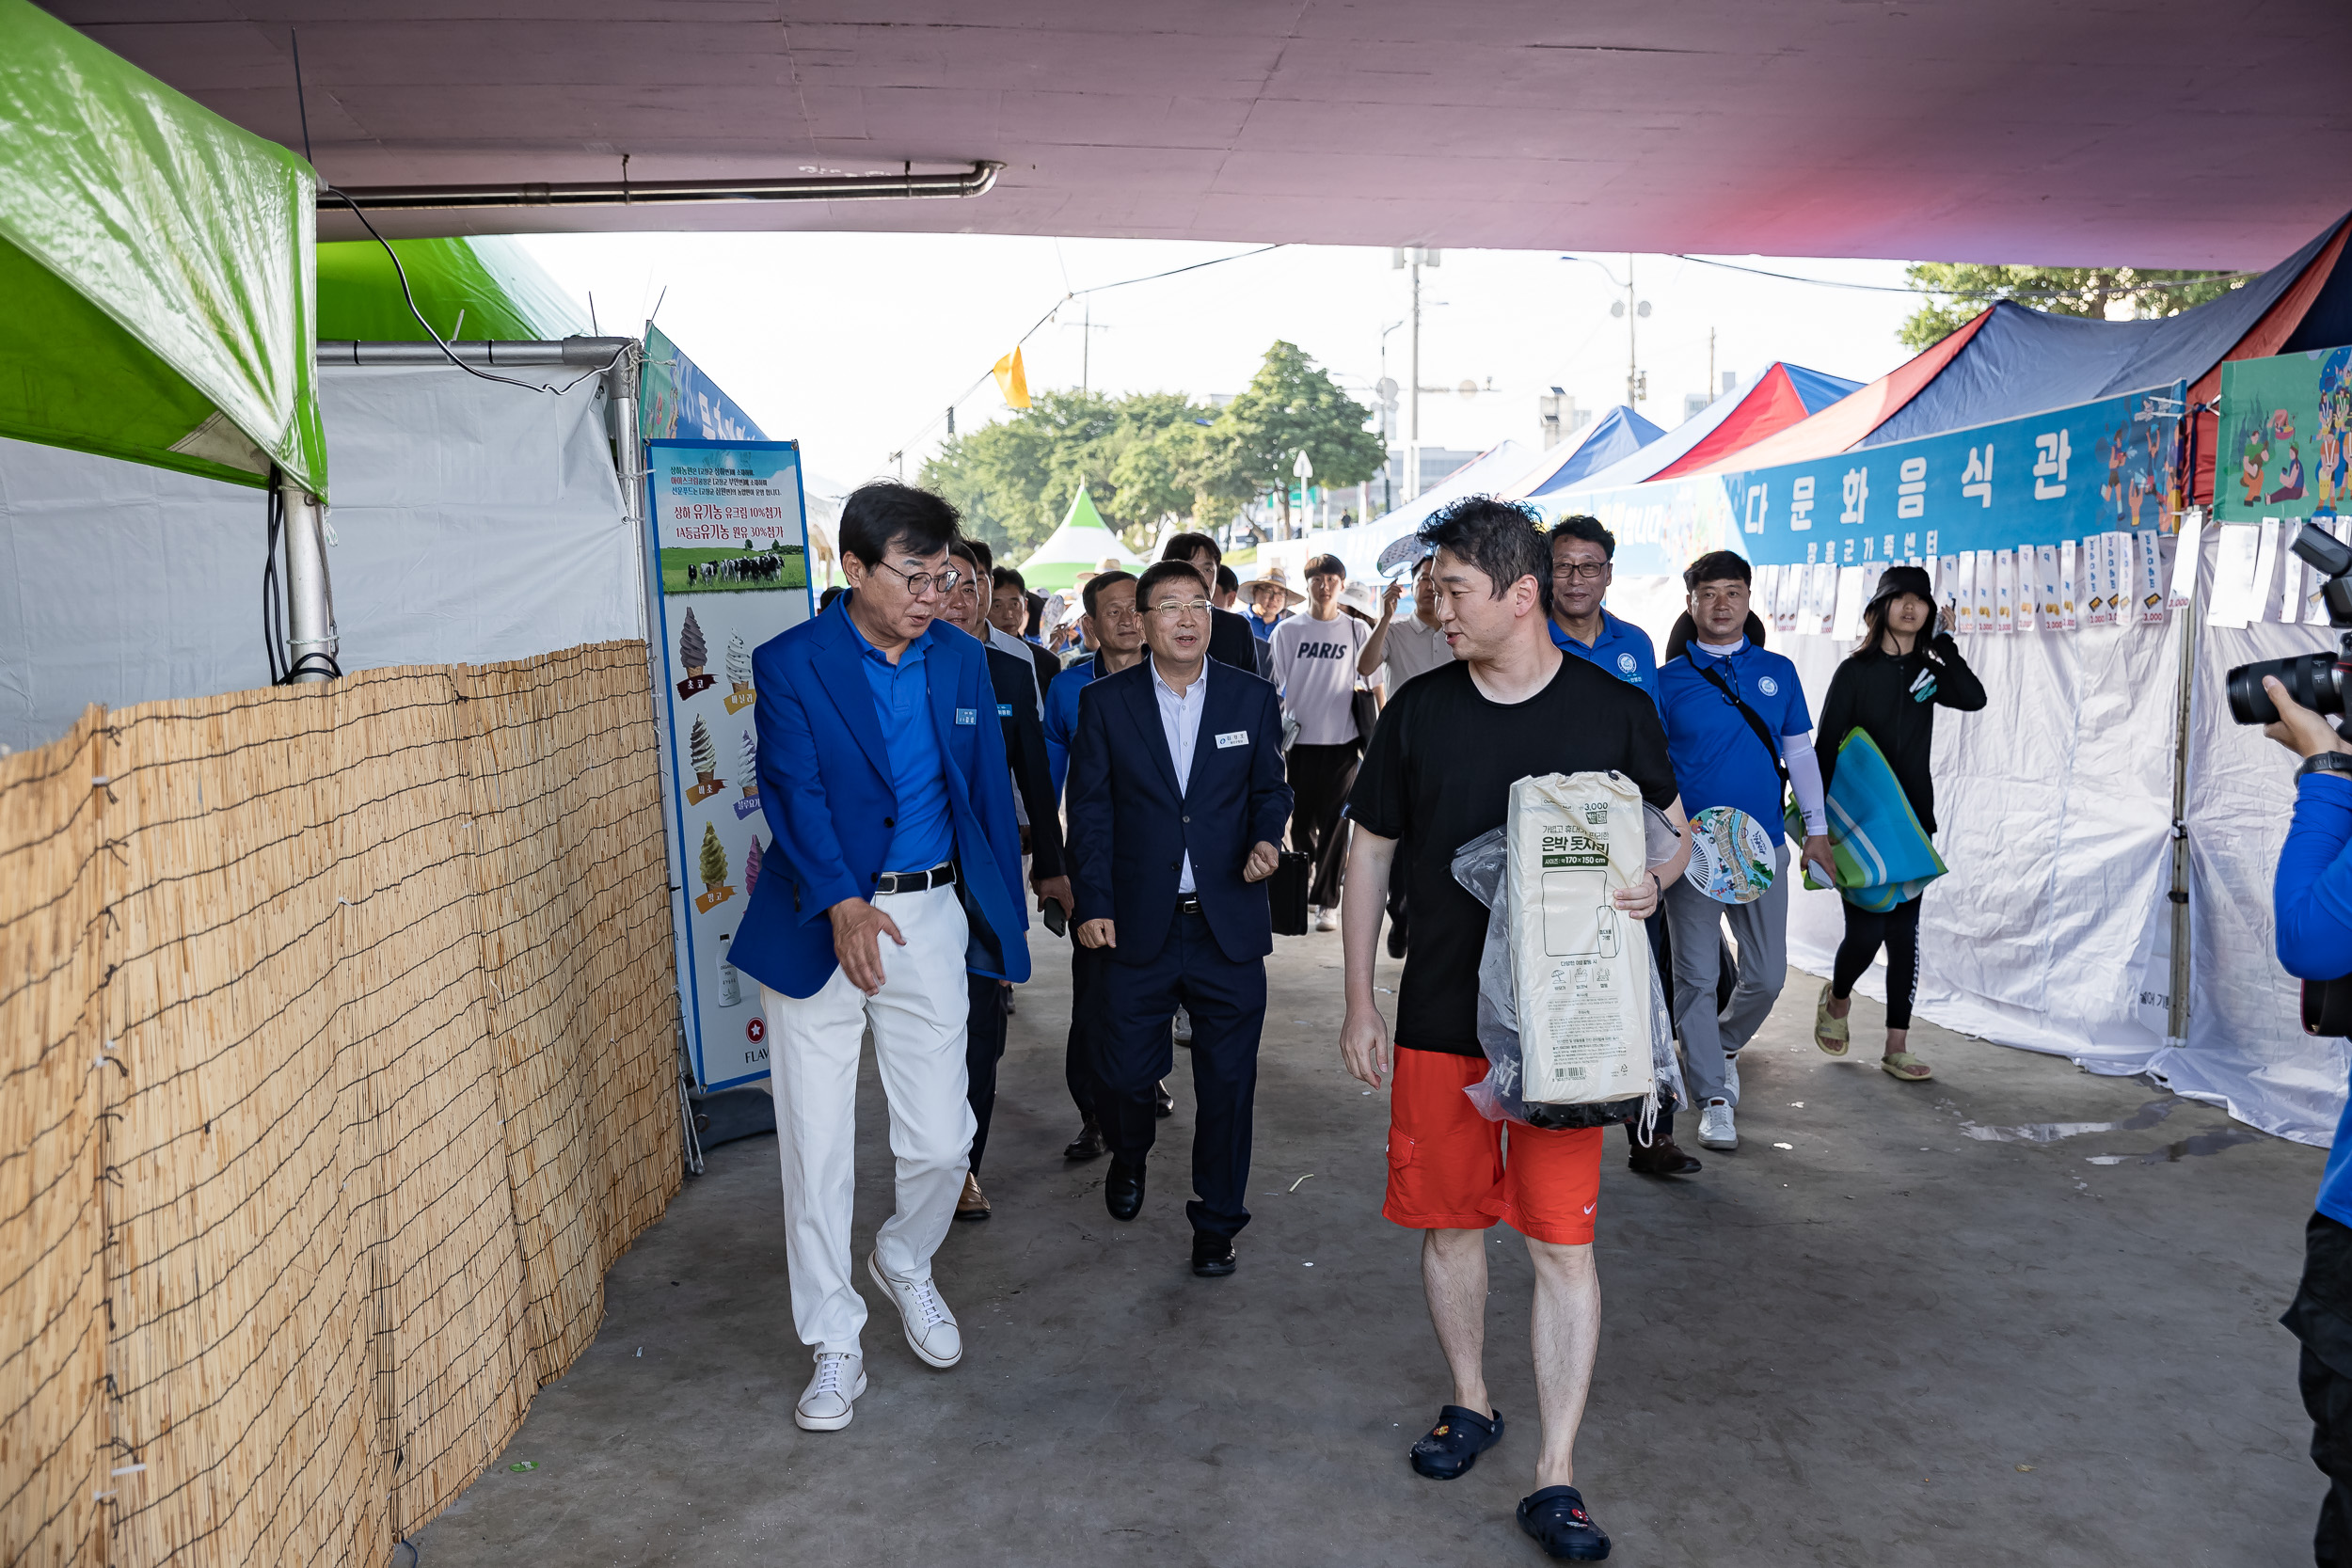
(473, 522)
(2053, 808)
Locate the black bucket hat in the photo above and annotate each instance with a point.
(1898, 580)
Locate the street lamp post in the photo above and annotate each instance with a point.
(1632, 309)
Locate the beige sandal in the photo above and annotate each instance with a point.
(1829, 1033)
(1908, 1067)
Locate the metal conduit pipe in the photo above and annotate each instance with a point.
(974, 181)
(585, 353)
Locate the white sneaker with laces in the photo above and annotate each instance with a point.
(1326, 920)
(830, 1400)
(931, 1330)
(1715, 1128)
(1731, 1076)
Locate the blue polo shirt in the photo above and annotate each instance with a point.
(1622, 649)
(1061, 714)
(926, 833)
(1717, 758)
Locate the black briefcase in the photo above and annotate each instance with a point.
(1287, 888)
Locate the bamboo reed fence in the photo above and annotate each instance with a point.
(337, 1062)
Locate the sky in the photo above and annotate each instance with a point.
(855, 345)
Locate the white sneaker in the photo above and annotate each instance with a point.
(1731, 1076)
(1715, 1128)
(830, 1400)
(1326, 920)
(1182, 1028)
(930, 1328)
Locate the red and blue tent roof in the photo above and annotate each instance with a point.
(2010, 361)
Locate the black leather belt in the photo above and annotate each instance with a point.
(941, 875)
(1189, 904)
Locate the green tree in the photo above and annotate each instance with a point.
(1958, 291)
(1015, 478)
(1291, 406)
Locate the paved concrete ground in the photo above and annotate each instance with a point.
(1873, 1336)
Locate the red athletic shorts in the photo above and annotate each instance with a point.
(1447, 1170)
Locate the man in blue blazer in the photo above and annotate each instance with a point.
(1176, 802)
(896, 868)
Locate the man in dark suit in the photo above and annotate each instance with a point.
(1006, 597)
(1024, 747)
(1231, 640)
(1176, 805)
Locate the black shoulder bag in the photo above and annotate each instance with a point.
(1713, 677)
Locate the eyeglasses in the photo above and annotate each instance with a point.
(1180, 607)
(920, 583)
(1574, 571)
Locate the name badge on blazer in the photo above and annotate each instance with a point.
(967, 716)
(1231, 738)
(1004, 710)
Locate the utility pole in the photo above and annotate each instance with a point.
(1412, 258)
(1632, 360)
(1086, 351)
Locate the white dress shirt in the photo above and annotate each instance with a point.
(1180, 721)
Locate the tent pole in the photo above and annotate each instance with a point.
(311, 643)
(2176, 1011)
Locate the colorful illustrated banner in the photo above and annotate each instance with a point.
(2285, 438)
(726, 535)
(2099, 467)
(675, 399)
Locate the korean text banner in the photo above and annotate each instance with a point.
(728, 540)
(678, 399)
(2286, 437)
(2093, 469)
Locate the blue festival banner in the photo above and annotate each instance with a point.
(2096, 467)
(727, 544)
(677, 399)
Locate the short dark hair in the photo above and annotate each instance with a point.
(968, 549)
(1587, 528)
(882, 514)
(1183, 546)
(1327, 566)
(824, 600)
(1226, 581)
(1166, 571)
(1497, 537)
(1005, 577)
(1099, 581)
(1716, 567)
(983, 553)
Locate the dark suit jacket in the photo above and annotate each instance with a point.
(1130, 826)
(1231, 640)
(1024, 747)
(1047, 668)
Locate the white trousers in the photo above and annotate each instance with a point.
(918, 1023)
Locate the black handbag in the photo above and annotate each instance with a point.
(1286, 891)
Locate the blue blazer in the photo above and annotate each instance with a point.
(1130, 826)
(824, 786)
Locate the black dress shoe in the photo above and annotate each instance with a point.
(1163, 1102)
(1122, 1188)
(1088, 1145)
(1212, 1256)
(1663, 1157)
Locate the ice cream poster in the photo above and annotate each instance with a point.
(726, 538)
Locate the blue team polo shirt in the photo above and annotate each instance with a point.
(925, 835)
(1061, 714)
(1622, 649)
(1717, 758)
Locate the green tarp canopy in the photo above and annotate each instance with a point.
(156, 265)
(1082, 543)
(476, 288)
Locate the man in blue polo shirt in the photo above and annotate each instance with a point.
(1715, 698)
(1581, 551)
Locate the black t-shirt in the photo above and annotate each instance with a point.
(1439, 773)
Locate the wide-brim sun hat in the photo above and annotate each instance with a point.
(1359, 600)
(1274, 576)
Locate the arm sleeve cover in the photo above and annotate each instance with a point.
(1805, 781)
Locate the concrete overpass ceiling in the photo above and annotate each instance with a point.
(2158, 132)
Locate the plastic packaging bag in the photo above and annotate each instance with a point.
(1481, 866)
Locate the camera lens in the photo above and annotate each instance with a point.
(2311, 680)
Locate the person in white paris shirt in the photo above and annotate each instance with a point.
(1317, 657)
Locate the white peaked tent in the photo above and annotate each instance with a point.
(1082, 543)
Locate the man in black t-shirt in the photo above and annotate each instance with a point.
(1438, 774)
